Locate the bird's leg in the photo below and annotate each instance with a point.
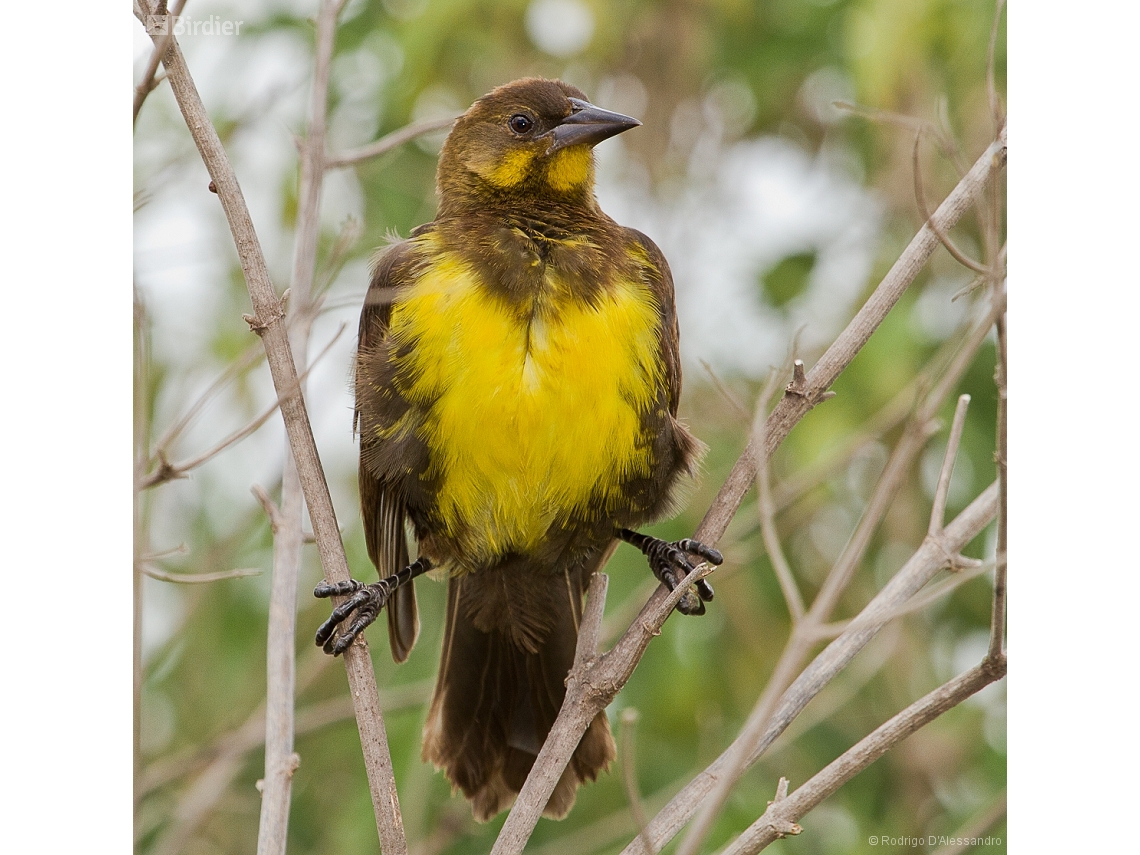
(366, 601)
(670, 563)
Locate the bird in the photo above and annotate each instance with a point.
(517, 380)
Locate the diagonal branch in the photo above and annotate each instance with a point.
(268, 322)
(149, 82)
(591, 689)
(794, 406)
(387, 142)
(783, 813)
(931, 556)
(166, 471)
(280, 665)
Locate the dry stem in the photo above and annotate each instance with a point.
(288, 536)
(387, 142)
(591, 690)
(267, 318)
(930, 557)
(784, 812)
(148, 82)
(837, 357)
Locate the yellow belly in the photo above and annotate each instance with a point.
(530, 414)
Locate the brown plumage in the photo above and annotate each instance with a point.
(517, 384)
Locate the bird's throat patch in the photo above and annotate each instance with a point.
(531, 414)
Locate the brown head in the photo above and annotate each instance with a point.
(531, 138)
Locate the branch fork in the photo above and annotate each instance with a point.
(773, 817)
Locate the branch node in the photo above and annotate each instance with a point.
(782, 827)
(212, 187)
(256, 325)
(798, 386)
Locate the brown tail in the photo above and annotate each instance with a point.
(509, 644)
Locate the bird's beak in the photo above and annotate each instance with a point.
(588, 125)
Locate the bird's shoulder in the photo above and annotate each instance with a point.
(394, 268)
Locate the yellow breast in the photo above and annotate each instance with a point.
(531, 413)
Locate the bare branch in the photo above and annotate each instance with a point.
(767, 508)
(919, 601)
(149, 82)
(250, 735)
(920, 200)
(168, 471)
(784, 812)
(198, 578)
(267, 313)
(590, 630)
(726, 393)
(387, 142)
(996, 110)
(288, 535)
(246, 360)
(938, 508)
(629, 717)
(997, 617)
(267, 504)
(808, 632)
(930, 557)
(792, 408)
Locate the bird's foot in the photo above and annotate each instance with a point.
(365, 601)
(670, 562)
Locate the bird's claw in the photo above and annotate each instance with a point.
(670, 563)
(365, 601)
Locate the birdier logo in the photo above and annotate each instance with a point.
(181, 25)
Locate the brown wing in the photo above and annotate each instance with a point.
(381, 506)
(660, 281)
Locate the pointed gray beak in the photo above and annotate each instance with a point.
(588, 125)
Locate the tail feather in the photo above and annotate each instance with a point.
(509, 644)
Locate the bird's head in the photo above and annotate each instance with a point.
(532, 137)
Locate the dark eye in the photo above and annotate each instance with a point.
(520, 124)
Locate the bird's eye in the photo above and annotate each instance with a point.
(520, 124)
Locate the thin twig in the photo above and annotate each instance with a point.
(942, 490)
(199, 578)
(920, 200)
(591, 691)
(245, 361)
(930, 557)
(149, 81)
(808, 631)
(387, 142)
(288, 535)
(996, 110)
(629, 718)
(250, 735)
(767, 508)
(919, 601)
(267, 321)
(900, 120)
(726, 393)
(783, 813)
(167, 471)
(792, 408)
(997, 616)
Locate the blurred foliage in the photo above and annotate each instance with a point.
(772, 67)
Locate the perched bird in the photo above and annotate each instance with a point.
(517, 382)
